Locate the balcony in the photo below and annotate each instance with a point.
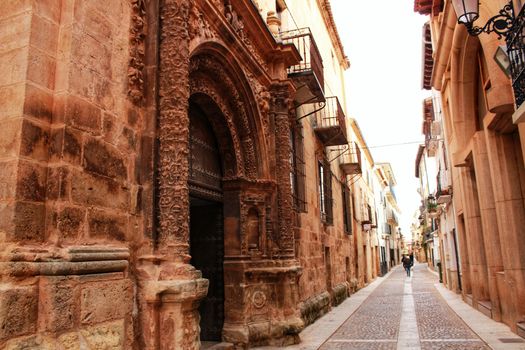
(391, 217)
(351, 160)
(329, 123)
(516, 51)
(443, 196)
(387, 230)
(307, 76)
(432, 146)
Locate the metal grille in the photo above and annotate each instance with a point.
(325, 192)
(311, 58)
(331, 115)
(297, 175)
(516, 51)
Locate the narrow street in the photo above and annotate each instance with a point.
(406, 314)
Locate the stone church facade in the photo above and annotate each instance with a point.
(145, 190)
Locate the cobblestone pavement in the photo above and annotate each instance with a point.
(405, 313)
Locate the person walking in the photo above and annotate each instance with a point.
(407, 264)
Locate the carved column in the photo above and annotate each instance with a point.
(170, 288)
(173, 130)
(280, 97)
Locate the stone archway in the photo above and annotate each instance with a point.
(259, 282)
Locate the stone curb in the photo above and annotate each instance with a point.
(490, 331)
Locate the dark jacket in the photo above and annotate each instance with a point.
(406, 261)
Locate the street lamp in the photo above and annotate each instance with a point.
(468, 11)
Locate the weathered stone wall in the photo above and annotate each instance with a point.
(313, 236)
(70, 142)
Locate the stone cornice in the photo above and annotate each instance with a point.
(326, 12)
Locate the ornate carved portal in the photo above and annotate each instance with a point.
(222, 203)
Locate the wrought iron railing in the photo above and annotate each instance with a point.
(311, 57)
(351, 156)
(516, 51)
(331, 115)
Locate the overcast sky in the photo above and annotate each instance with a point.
(382, 40)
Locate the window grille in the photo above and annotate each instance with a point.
(325, 192)
(347, 210)
(297, 174)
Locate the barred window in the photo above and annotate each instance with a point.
(325, 192)
(347, 209)
(297, 174)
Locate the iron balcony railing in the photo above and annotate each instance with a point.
(308, 72)
(311, 57)
(351, 159)
(516, 51)
(329, 123)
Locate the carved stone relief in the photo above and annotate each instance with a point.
(173, 131)
(237, 24)
(232, 105)
(262, 95)
(259, 299)
(137, 51)
(199, 85)
(199, 25)
(280, 107)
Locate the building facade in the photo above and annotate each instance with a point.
(483, 137)
(176, 172)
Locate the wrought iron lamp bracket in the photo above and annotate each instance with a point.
(501, 24)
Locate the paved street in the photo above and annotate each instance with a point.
(397, 312)
(405, 313)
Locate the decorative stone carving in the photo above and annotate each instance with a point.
(227, 97)
(259, 299)
(280, 107)
(199, 26)
(262, 95)
(219, 4)
(174, 129)
(234, 19)
(137, 51)
(238, 27)
(200, 85)
(251, 203)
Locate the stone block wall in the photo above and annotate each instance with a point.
(313, 236)
(71, 138)
(72, 158)
(68, 312)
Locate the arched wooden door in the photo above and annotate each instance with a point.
(207, 221)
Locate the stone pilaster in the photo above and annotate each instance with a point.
(506, 165)
(173, 131)
(280, 97)
(474, 235)
(488, 221)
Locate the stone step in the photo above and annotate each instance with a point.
(521, 329)
(216, 346)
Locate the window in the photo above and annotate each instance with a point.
(325, 191)
(297, 174)
(347, 210)
(369, 212)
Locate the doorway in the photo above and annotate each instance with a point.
(207, 220)
(207, 255)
